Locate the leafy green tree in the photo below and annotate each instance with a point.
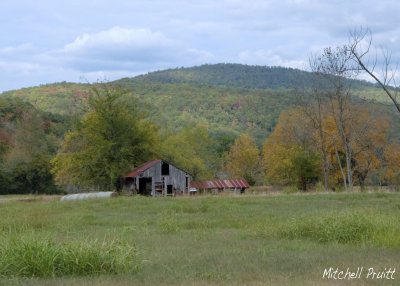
(110, 140)
(189, 150)
(223, 141)
(305, 169)
(34, 177)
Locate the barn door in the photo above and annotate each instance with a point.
(169, 190)
(145, 186)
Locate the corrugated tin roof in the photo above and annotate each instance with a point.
(141, 169)
(220, 184)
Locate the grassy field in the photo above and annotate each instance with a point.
(243, 240)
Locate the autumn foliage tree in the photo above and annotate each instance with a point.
(294, 145)
(243, 159)
(334, 69)
(389, 168)
(289, 156)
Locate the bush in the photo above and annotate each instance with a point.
(319, 187)
(290, 190)
(33, 177)
(305, 169)
(249, 178)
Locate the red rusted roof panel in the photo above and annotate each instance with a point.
(234, 184)
(141, 169)
(220, 184)
(243, 182)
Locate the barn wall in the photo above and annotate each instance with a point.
(177, 178)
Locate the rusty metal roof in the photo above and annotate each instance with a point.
(141, 169)
(220, 184)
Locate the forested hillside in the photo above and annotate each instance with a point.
(228, 98)
(59, 98)
(251, 77)
(228, 109)
(29, 138)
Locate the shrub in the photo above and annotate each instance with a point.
(250, 179)
(33, 177)
(305, 169)
(290, 190)
(319, 187)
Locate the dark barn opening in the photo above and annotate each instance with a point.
(164, 169)
(169, 190)
(145, 186)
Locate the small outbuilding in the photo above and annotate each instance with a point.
(236, 186)
(158, 178)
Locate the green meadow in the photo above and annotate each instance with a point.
(204, 240)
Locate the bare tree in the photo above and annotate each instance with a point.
(312, 106)
(360, 44)
(335, 68)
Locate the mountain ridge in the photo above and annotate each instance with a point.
(238, 75)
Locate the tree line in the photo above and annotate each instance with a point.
(40, 154)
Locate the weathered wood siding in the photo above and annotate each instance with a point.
(176, 178)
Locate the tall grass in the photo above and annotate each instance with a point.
(347, 227)
(29, 256)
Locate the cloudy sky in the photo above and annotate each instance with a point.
(45, 41)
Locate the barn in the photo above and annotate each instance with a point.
(158, 178)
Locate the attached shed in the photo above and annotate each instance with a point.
(237, 186)
(158, 178)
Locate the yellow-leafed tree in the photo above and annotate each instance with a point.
(289, 157)
(243, 159)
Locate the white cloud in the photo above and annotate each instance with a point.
(118, 39)
(125, 49)
(199, 56)
(14, 50)
(23, 68)
(119, 45)
(105, 55)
